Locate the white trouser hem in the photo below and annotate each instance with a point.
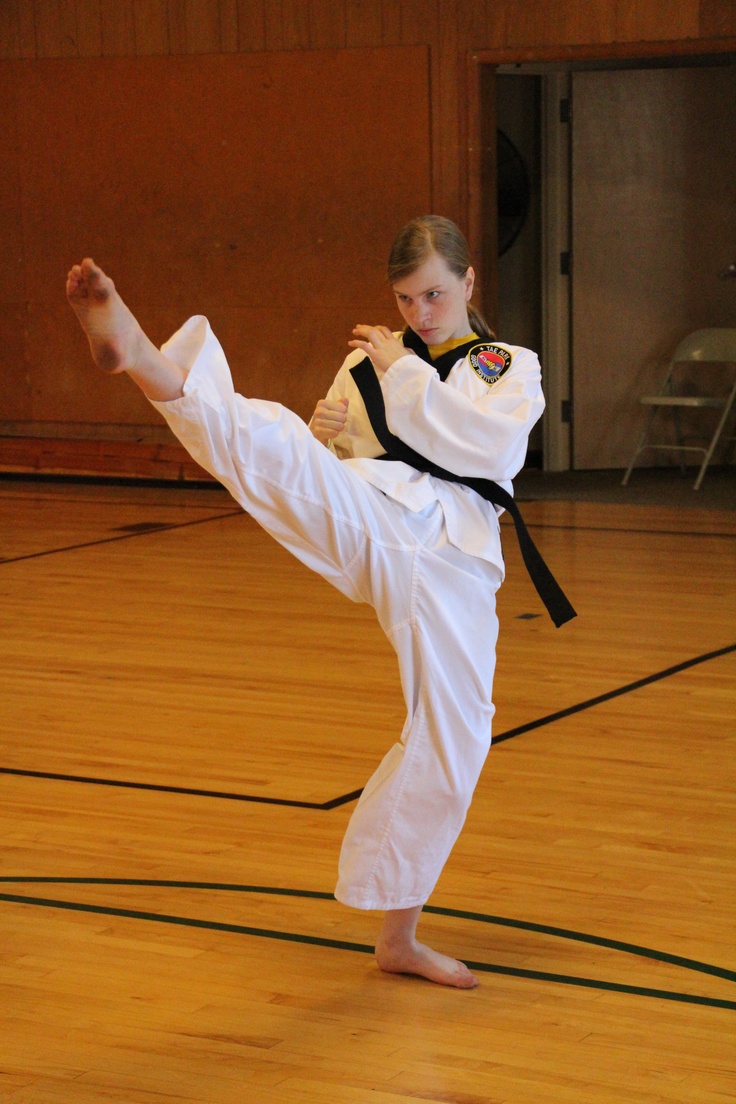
(359, 899)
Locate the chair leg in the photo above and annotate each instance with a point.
(716, 436)
(679, 438)
(625, 480)
(639, 448)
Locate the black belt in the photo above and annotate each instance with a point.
(547, 587)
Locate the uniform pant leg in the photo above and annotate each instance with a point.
(413, 808)
(296, 489)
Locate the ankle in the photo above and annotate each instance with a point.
(395, 942)
(400, 926)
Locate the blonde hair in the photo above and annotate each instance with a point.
(429, 234)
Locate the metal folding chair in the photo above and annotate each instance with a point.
(680, 391)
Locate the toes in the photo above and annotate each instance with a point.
(74, 281)
(94, 281)
(466, 980)
(90, 272)
(87, 281)
(462, 977)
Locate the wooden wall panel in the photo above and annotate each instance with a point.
(15, 381)
(27, 28)
(151, 27)
(481, 220)
(56, 28)
(637, 22)
(89, 28)
(427, 20)
(717, 18)
(390, 22)
(533, 22)
(229, 26)
(287, 25)
(472, 24)
(251, 25)
(202, 26)
(177, 25)
(281, 243)
(363, 22)
(447, 165)
(494, 27)
(9, 30)
(61, 28)
(327, 29)
(118, 28)
(137, 459)
(12, 260)
(15, 396)
(274, 22)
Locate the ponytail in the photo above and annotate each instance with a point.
(479, 324)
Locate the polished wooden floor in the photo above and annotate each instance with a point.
(173, 937)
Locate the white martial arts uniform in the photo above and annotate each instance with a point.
(424, 552)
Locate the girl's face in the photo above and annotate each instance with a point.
(434, 301)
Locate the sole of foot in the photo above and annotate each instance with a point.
(114, 335)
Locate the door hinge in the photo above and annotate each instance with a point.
(565, 110)
(566, 412)
(565, 263)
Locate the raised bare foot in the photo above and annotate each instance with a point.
(114, 336)
(416, 958)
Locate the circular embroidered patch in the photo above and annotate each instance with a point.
(489, 361)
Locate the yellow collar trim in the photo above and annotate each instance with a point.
(436, 351)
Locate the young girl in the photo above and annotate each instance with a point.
(423, 550)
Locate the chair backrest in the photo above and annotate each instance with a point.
(717, 345)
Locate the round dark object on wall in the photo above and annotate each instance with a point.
(514, 192)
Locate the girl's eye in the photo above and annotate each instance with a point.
(432, 294)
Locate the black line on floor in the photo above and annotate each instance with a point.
(610, 986)
(121, 537)
(137, 481)
(344, 799)
(362, 948)
(594, 940)
(168, 883)
(187, 791)
(620, 529)
(631, 686)
(133, 501)
(321, 895)
(142, 527)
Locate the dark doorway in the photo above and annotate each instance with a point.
(518, 175)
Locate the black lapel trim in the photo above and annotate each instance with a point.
(445, 363)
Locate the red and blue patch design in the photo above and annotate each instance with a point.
(490, 362)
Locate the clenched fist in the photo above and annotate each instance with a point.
(329, 419)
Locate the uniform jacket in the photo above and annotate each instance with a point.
(474, 423)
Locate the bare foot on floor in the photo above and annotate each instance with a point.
(416, 958)
(114, 336)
